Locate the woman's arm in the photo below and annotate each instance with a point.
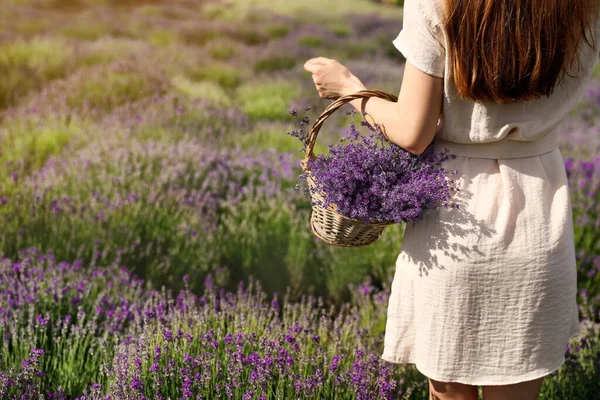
(411, 122)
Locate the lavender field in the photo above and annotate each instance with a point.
(154, 244)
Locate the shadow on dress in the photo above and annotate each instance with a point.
(454, 233)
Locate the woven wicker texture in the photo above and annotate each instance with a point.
(326, 223)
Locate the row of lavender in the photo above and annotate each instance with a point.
(184, 205)
(180, 205)
(97, 332)
(188, 217)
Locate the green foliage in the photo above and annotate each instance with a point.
(73, 356)
(85, 30)
(307, 10)
(31, 27)
(26, 66)
(109, 90)
(248, 35)
(162, 37)
(596, 72)
(213, 11)
(359, 49)
(15, 83)
(181, 119)
(149, 133)
(271, 135)
(28, 143)
(222, 48)
(47, 56)
(275, 63)
(351, 265)
(225, 75)
(578, 377)
(310, 41)
(199, 35)
(147, 235)
(271, 241)
(392, 52)
(398, 3)
(267, 100)
(389, 49)
(150, 10)
(202, 90)
(278, 31)
(105, 51)
(67, 4)
(339, 28)
(130, 3)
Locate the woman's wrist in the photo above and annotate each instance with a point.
(354, 85)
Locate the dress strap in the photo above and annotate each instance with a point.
(503, 148)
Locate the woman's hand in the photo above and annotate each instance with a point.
(332, 79)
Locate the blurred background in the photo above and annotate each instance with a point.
(157, 131)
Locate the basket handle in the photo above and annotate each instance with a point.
(314, 132)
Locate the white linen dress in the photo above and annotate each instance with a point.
(487, 294)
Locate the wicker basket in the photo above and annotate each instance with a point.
(326, 223)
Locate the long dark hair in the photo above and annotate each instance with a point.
(505, 51)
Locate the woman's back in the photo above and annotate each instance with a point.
(466, 121)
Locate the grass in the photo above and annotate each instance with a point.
(162, 37)
(271, 242)
(227, 76)
(206, 90)
(105, 51)
(275, 63)
(236, 10)
(48, 56)
(154, 133)
(28, 143)
(28, 65)
(272, 135)
(248, 34)
(199, 35)
(596, 72)
(278, 31)
(389, 49)
(339, 28)
(31, 27)
(222, 48)
(350, 264)
(358, 49)
(213, 11)
(268, 99)
(310, 41)
(109, 90)
(150, 10)
(84, 30)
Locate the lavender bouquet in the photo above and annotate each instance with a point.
(371, 179)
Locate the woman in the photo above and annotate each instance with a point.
(485, 295)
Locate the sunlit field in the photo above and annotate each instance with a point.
(154, 244)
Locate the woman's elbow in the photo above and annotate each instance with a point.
(415, 150)
(415, 147)
(413, 138)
